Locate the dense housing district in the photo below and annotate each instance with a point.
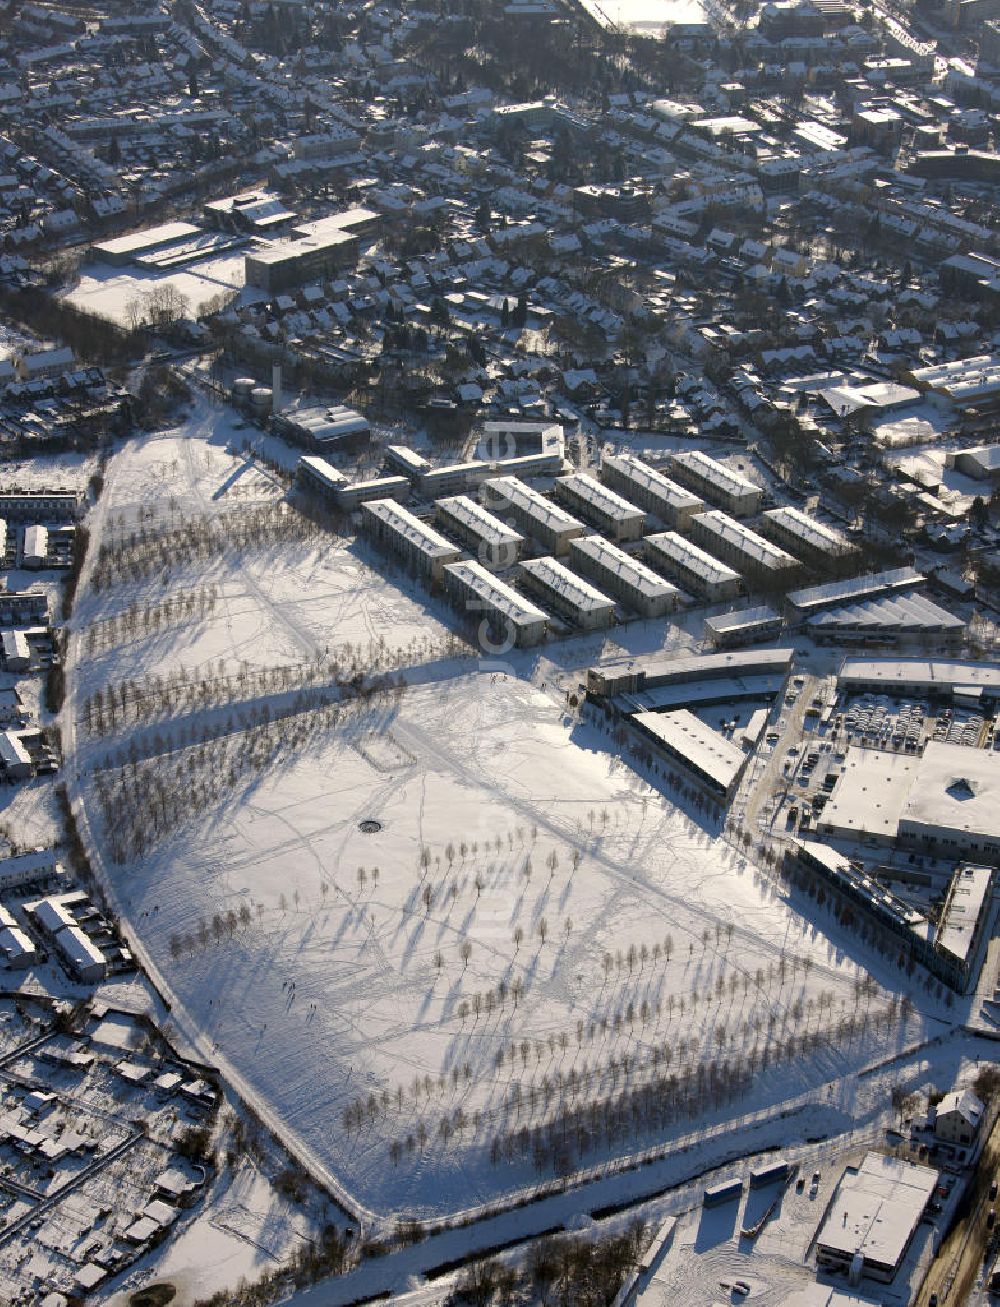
(499, 663)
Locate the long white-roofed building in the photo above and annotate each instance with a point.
(603, 508)
(509, 619)
(684, 739)
(805, 535)
(736, 544)
(535, 515)
(691, 567)
(318, 476)
(402, 533)
(624, 576)
(496, 545)
(567, 594)
(718, 482)
(651, 490)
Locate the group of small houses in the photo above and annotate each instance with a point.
(41, 1124)
(37, 531)
(63, 920)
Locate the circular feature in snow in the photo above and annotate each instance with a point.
(369, 826)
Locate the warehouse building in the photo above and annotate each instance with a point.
(809, 537)
(691, 567)
(925, 678)
(816, 598)
(567, 594)
(123, 250)
(945, 803)
(705, 756)
(623, 576)
(537, 516)
(322, 427)
(651, 490)
(601, 507)
(504, 617)
(873, 1217)
(421, 548)
(496, 545)
(744, 626)
(886, 618)
(717, 482)
(744, 549)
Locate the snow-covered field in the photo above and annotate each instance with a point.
(477, 990)
(108, 291)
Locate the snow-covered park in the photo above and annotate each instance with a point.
(439, 937)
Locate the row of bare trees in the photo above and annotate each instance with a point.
(139, 620)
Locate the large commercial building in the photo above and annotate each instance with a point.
(886, 618)
(945, 803)
(806, 535)
(396, 529)
(707, 757)
(623, 576)
(567, 594)
(744, 549)
(318, 249)
(322, 427)
(496, 545)
(668, 681)
(717, 482)
(873, 1217)
(614, 516)
(926, 678)
(504, 617)
(651, 490)
(537, 516)
(692, 568)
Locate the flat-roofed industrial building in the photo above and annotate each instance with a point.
(691, 567)
(622, 575)
(744, 549)
(399, 531)
(536, 516)
(651, 490)
(719, 483)
(504, 617)
(614, 516)
(805, 535)
(567, 594)
(929, 678)
(873, 1217)
(870, 585)
(496, 545)
(281, 265)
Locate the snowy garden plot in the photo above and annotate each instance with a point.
(528, 932)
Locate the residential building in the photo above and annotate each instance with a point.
(566, 594)
(692, 568)
(399, 531)
(651, 490)
(624, 576)
(744, 549)
(535, 515)
(718, 482)
(504, 617)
